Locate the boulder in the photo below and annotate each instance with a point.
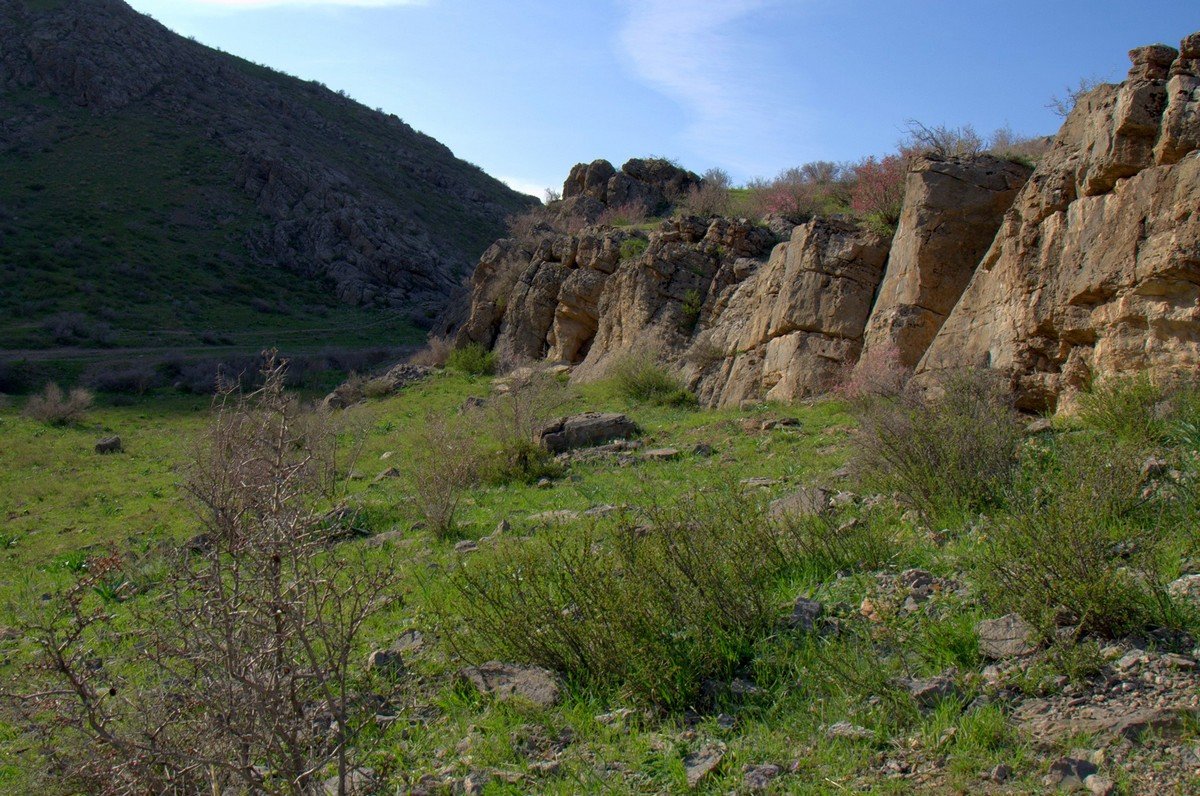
(387, 663)
(1007, 637)
(807, 501)
(109, 445)
(508, 681)
(585, 430)
(699, 764)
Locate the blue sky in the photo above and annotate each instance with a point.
(527, 88)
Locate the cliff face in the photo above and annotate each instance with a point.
(344, 193)
(1096, 271)
(1089, 266)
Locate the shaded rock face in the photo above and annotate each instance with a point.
(1096, 270)
(348, 195)
(652, 182)
(952, 210)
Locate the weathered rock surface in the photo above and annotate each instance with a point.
(507, 681)
(585, 430)
(395, 379)
(651, 182)
(1006, 637)
(109, 445)
(952, 209)
(1096, 270)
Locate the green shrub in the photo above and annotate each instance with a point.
(651, 612)
(472, 359)
(1125, 409)
(639, 379)
(692, 304)
(633, 247)
(1084, 542)
(953, 453)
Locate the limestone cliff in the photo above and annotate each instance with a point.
(1096, 271)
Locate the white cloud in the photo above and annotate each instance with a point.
(690, 51)
(531, 187)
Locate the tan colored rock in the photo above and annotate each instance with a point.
(1180, 130)
(792, 327)
(1096, 271)
(952, 210)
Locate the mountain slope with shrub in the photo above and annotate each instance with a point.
(151, 186)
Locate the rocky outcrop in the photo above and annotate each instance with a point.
(346, 195)
(1096, 270)
(653, 183)
(953, 207)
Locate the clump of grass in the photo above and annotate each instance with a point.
(59, 408)
(435, 354)
(1141, 412)
(472, 359)
(950, 454)
(633, 247)
(639, 379)
(377, 388)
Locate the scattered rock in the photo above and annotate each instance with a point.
(702, 449)
(390, 472)
(1007, 637)
(1186, 588)
(806, 501)
(505, 681)
(846, 730)
(661, 454)
(1068, 773)
(554, 517)
(1000, 774)
(466, 546)
(1099, 786)
(805, 614)
(759, 483)
(474, 783)
(1039, 425)
(700, 764)
(585, 430)
(929, 691)
(387, 663)
(758, 778)
(109, 445)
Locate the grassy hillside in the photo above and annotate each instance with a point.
(760, 695)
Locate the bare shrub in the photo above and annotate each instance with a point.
(711, 197)
(878, 373)
(801, 192)
(942, 140)
(445, 463)
(629, 214)
(130, 379)
(236, 674)
(1004, 143)
(1063, 104)
(512, 419)
(952, 453)
(435, 353)
(58, 408)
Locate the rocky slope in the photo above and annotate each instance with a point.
(1087, 267)
(336, 192)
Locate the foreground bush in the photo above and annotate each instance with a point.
(654, 610)
(954, 453)
(59, 408)
(234, 674)
(639, 379)
(1141, 412)
(1086, 541)
(472, 359)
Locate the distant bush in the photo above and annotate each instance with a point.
(693, 303)
(878, 373)
(446, 461)
(1063, 104)
(639, 379)
(711, 197)
(512, 419)
(472, 359)
(126, 380)
(377, 388)
(435, 353)
(956, 452)
(1133, 409)
(941, 140)
(801, 192)
(59, 408)
(878, 192)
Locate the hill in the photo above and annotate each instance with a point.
(154, 191)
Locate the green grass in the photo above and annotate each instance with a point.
(61, 503)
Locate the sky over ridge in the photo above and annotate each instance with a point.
(527, 88)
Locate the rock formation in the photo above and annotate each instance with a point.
(952, 209)
(1089, 267)
(1096, 270)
